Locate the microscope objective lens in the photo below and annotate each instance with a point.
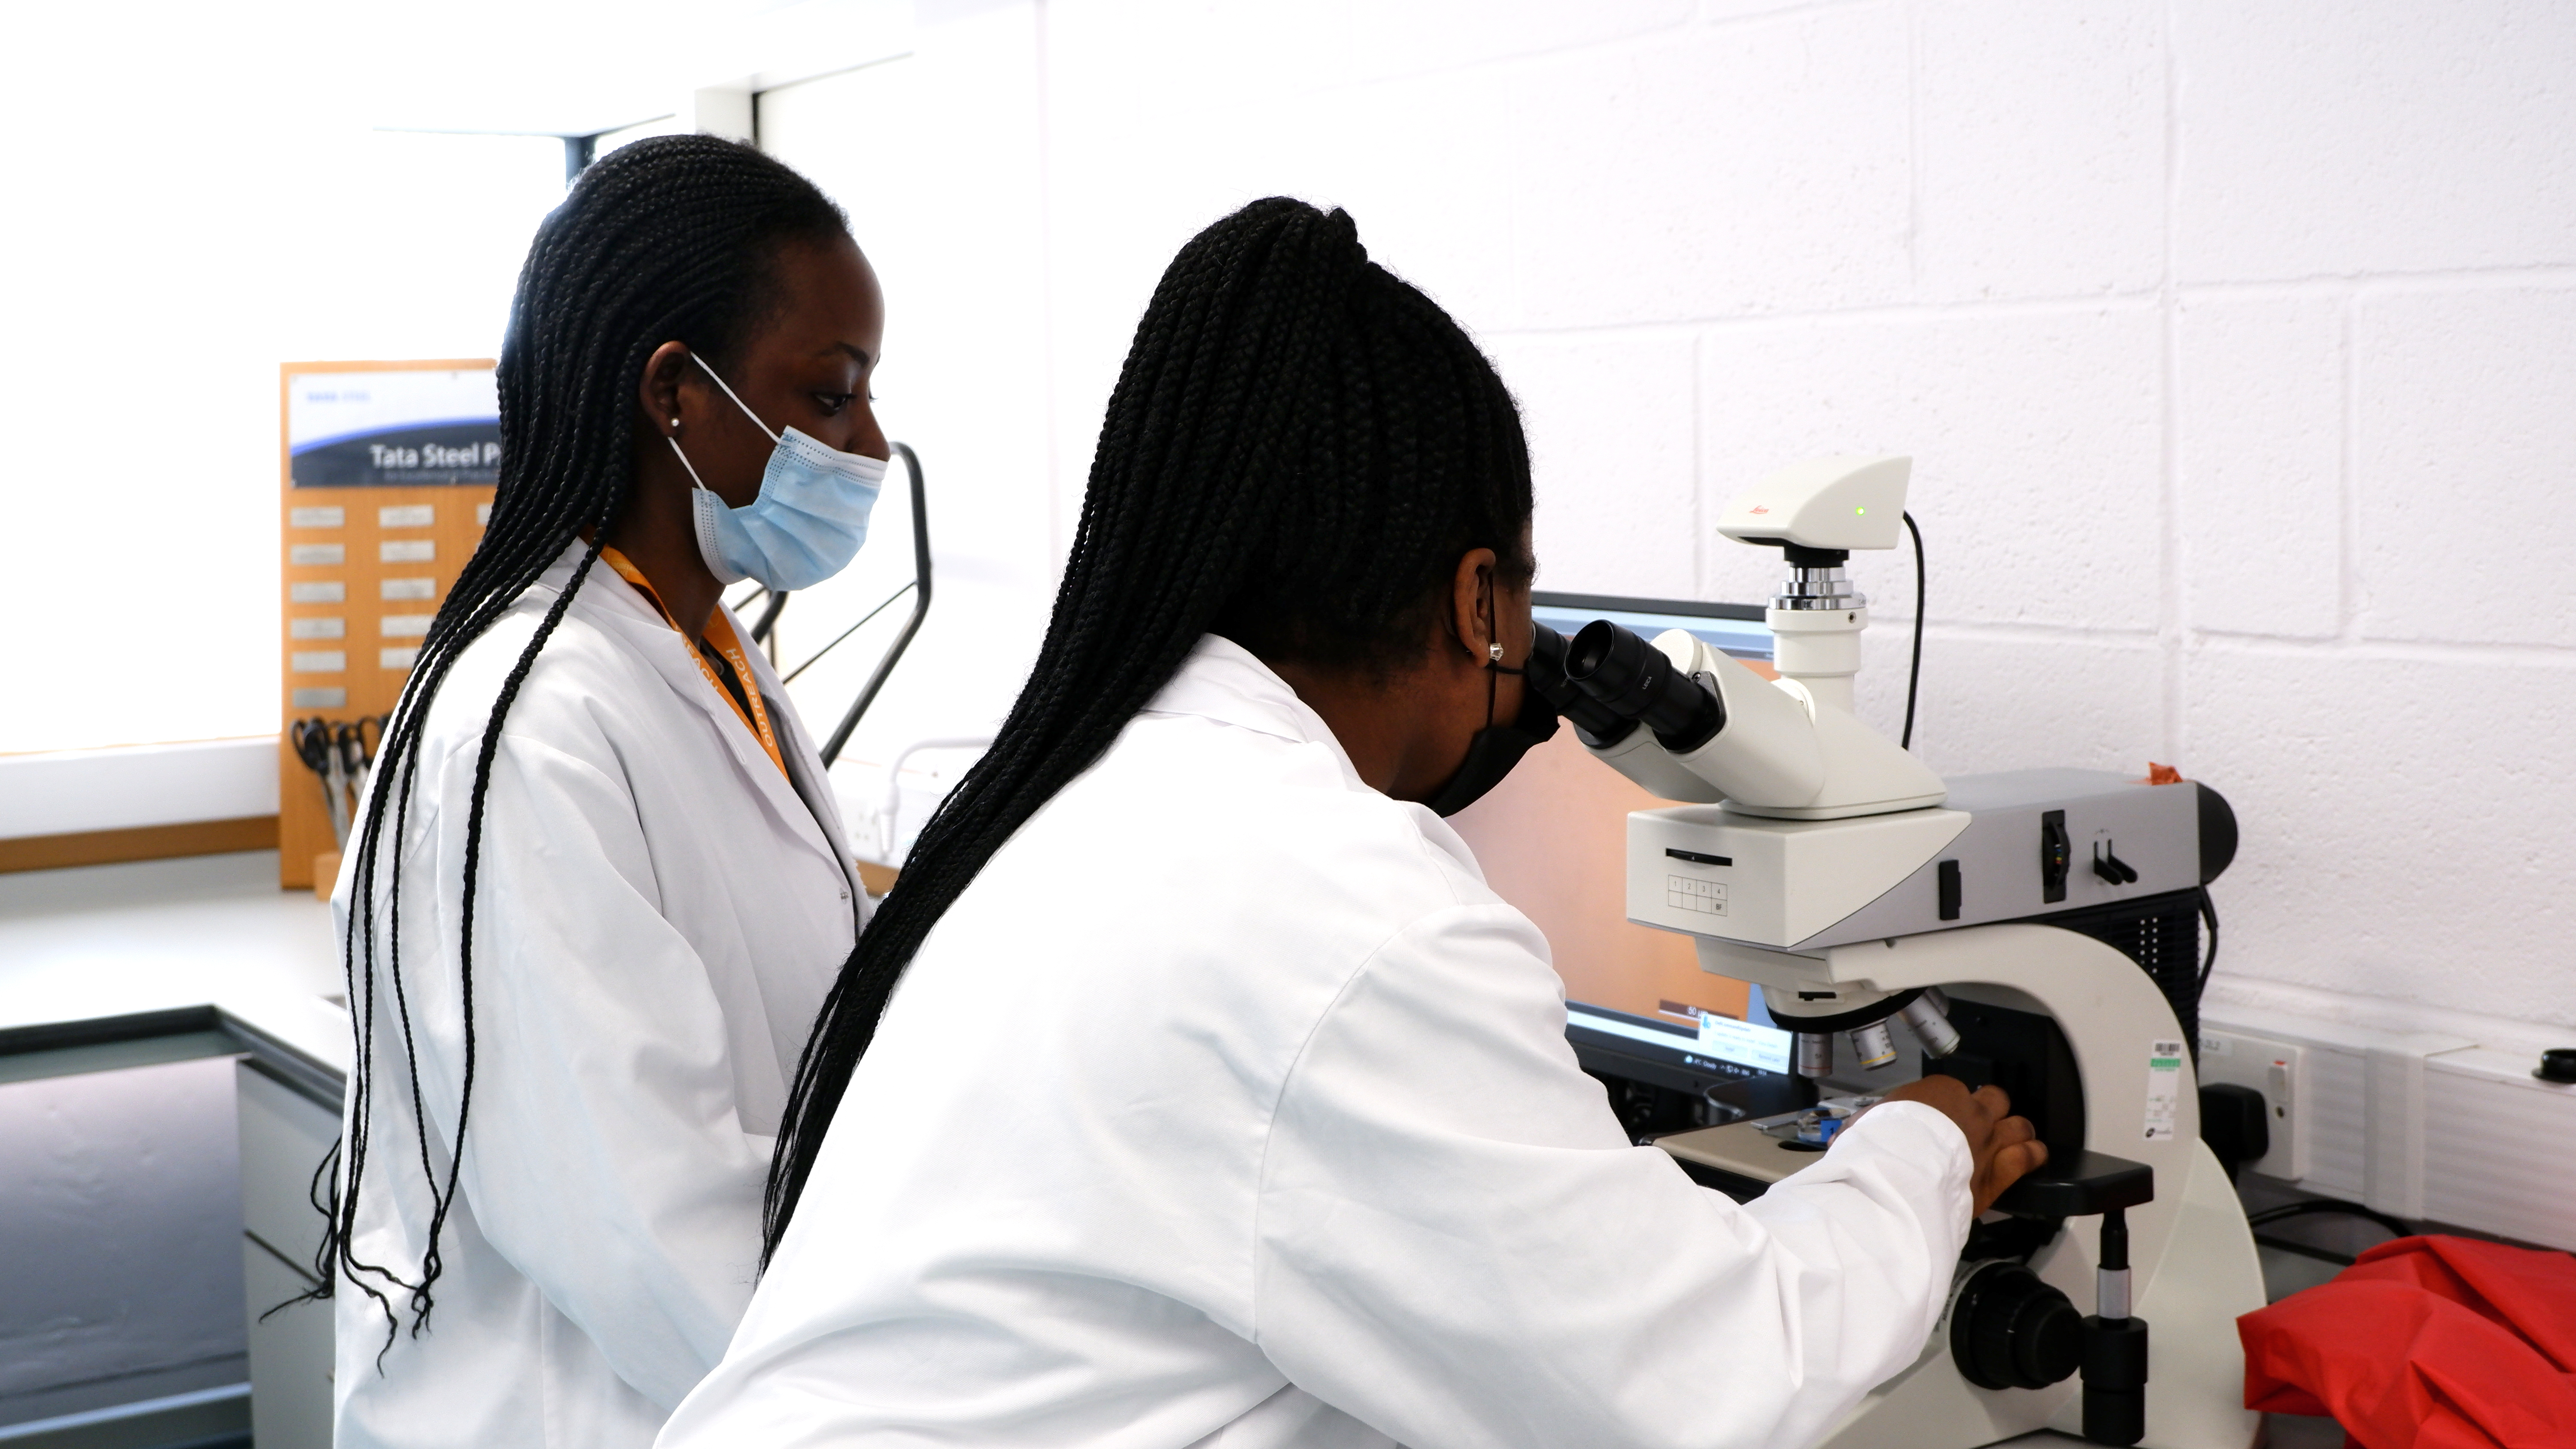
(1873, 1045)
(1931, 1026)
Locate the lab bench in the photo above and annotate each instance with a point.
(109, 968)
(195, 975)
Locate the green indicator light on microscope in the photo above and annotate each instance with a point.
(1860, 510)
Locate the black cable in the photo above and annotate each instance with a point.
(2312, 1206)
(1914, 671)
(769, 620)
(2208, 913)
(790, 676)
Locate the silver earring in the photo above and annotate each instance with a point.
(1494, 653)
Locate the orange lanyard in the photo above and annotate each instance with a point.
(719, 625)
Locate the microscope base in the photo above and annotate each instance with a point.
(2192, 1255)
(2196, 1383)
(2196, 1364)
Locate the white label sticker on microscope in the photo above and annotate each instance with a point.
(2164, 1088)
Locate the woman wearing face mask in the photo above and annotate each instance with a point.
(600, 888)
(1219, 1101)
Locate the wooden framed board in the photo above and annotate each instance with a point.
(385, 478)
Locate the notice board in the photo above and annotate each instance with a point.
(385, 481)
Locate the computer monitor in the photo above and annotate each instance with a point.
(1552, 839)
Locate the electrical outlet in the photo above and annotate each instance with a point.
(2278, 1070)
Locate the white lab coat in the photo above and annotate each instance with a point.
(1228, 1106)
(658, 916)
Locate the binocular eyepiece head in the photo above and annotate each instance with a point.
(1597, 723)
(1636, 683)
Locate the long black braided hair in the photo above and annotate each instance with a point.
(669, 239)
(1299, 449)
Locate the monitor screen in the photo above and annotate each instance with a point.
(1552, 839)
(1736, 629)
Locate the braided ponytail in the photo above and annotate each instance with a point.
(1299, 448)
(669, 239)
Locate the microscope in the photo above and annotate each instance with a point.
(2035, 930)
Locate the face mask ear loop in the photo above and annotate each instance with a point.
(694, 480)
(698, 517)
(737, 401)
(1493, 655)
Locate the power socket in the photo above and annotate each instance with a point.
(2277, 1069)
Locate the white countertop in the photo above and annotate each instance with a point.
(210, 930)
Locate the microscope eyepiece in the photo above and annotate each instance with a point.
(1598, 724)
(1635, 681)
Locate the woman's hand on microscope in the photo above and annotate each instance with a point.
(2003, 1146)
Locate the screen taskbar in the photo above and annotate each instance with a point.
(1722, 1038)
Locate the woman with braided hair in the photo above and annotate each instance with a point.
(600, 887)
(1191, 1088)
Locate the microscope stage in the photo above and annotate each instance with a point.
(1739, 1159)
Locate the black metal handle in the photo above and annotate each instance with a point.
(912, 623)
(769, 616)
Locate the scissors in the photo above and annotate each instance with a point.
(357, 755)
(312, 739)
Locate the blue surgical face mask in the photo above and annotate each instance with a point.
(806, 525)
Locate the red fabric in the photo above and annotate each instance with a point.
(2427, 1343)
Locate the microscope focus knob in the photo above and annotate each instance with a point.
(2009, 1330)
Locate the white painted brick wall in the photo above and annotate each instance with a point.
(1758, 167)
(1614, 492)
(2331, 139)
(2259, 437)
(2236, 344)
(2464, 413)
(2040, 138)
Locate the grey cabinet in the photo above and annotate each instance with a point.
(286, 1132)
